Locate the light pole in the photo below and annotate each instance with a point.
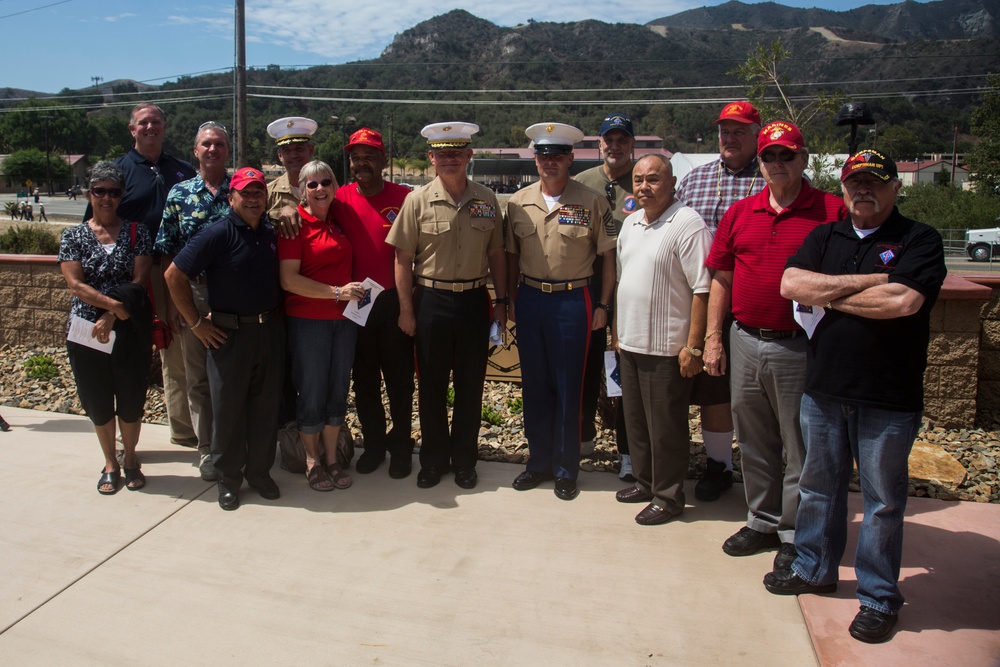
(343, 125)
(48, 178)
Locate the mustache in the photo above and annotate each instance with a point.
(857, 198)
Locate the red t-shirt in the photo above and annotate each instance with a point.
(754, 242)
(367, 228)
(325, 256)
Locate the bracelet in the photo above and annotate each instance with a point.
(502, 300)
(198, 323)
(337, 293)
(712, 333)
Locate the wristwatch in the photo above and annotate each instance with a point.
(695, 352)
(603, 306)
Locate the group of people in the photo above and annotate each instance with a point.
(742, 289)
(24, 210)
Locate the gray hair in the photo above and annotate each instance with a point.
(105, 170)
(664, 160)
(212, 125)
(311, 169)
(145, 105)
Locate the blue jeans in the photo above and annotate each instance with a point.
(322, 355)
(837, 434)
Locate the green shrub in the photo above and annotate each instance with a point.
(945, 207)
(491, 416)
(28, 240)
(515, 405)
(41, 367)
(450, 399)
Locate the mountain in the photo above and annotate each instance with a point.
(906, 21)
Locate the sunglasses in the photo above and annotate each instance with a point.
(114, 193)
(325, 183)
(609, 192)
(784, 156)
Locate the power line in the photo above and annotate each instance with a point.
(35, 9)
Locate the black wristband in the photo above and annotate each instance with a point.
(503, 300)
(605, 307)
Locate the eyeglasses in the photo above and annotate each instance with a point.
(363, 159)
(325, 183)
(114, 193)
(784, 156)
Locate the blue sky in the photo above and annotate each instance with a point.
(55, 44)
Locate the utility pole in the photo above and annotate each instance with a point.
(48, 177)
(240, 86)
(97, 83)
(954, 155)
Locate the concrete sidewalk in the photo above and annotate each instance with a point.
(385, 573)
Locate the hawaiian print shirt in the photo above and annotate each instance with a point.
(190, 206)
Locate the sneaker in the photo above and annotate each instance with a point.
(587, 448)
(715, 480)
(748, 541)
(785, 557)
(625, 473)
(206, 468)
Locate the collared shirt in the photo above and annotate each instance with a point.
(240, 264)
(712, 188)
(448, 239)
(754, 241)
(865, 361)
(622, 203)
(190, 206)
(281, 194)
(661, 266)
(146, 187)
(367, 223)
(560, 244)
(324, 255)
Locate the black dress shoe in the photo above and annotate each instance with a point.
(267, 488)
(748, 541)
(429, 476)
(652, 515)
(529, 480)
(229, 500)
(566, 489)
(786, 582)
(633, 494)
(715, 480)
(369, 461)
(400, 464)
(785, 557)
(466, 478)
(872, 626)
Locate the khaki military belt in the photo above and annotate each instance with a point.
(451, 285)
(557, 286)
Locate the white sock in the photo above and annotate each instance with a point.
(719, 446)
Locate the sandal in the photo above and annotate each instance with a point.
(341, 479)
(111, 478)
(319, 479)
(134, 479)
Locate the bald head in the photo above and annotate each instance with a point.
(653, 184)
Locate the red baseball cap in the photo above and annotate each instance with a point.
(244, 176)
(366, 137)
(780, 133)
(741, 112)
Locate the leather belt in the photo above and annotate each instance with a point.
(769, 334)
(556, 286)
(450, 285)
(231, 321)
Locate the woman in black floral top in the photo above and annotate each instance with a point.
(106, 263)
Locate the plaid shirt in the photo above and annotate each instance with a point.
(190, 206)
(712, 188)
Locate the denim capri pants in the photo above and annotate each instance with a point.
(322, 355)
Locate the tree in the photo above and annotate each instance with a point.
(22, 166)
(900, 142)
(984, 159)
(949, 208)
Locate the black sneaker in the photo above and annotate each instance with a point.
(715, 480)
(749, 541)
(369, 461)
(785, 557)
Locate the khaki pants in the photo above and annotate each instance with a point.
(174, 378)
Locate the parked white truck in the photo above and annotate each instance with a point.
(982, 244)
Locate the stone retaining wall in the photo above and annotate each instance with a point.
(963, 371)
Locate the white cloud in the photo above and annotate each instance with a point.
(118, 17)
(324, 28)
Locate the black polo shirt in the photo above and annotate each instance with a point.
(240, 265)
(146, 187)
(864, 361)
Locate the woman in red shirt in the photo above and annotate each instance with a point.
(315, 269)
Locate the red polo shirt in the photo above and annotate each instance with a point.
(754, 242)
(325, 256)
(367, 228)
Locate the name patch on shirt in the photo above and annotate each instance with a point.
(574, 214)
(481, 209)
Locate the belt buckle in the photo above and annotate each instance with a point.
(458, 287)
(261, 318)
(569, 285)
(767, 334)
(547, 288)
